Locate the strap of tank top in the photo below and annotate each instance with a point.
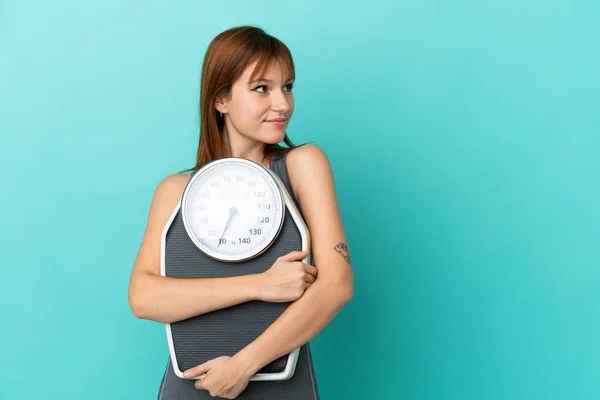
(192, 173)
(279, 166)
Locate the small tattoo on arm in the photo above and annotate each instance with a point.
(343, 250)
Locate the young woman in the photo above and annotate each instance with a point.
(246, 103)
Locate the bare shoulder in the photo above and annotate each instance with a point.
(167, 195)
(307, 152)
(305, 164)
(172, 186)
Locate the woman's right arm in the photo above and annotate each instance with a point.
(166, 299)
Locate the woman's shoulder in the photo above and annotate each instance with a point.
(307, 155)
(169, 190)
(308, 165)
(173, 182)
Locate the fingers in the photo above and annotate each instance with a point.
(198, 384)
(294, 255)
(309, 278)
(311, 270)
(197, 370)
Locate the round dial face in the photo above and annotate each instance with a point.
(232, 209)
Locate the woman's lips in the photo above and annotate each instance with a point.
(277, 122)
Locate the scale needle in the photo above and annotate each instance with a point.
(232, 212)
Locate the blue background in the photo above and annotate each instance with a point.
(465, 142)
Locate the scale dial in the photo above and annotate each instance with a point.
(233, 209)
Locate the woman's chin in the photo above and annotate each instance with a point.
(274, 138)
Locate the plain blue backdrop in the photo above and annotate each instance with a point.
(465, 142)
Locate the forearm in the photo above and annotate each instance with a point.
(301, 321)
(166, 299)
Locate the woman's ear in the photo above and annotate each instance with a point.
(220, 108)
(221, 105)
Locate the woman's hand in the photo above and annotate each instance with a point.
(287, 279)
(226, 377)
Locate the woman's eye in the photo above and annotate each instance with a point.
(263, 88)
(256, 89)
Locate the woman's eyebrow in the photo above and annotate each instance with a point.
(262, 80)
(266, 80)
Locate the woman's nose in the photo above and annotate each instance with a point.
(281, 102)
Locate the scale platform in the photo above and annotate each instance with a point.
(227, 331)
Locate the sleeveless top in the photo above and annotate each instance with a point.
(301, 386)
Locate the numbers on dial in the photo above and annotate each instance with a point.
(234, 210)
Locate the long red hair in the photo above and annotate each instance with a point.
(227, 56)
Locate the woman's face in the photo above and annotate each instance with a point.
(260, 110)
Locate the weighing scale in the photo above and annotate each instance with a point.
(235, 218)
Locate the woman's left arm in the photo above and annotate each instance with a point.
(311, 172)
